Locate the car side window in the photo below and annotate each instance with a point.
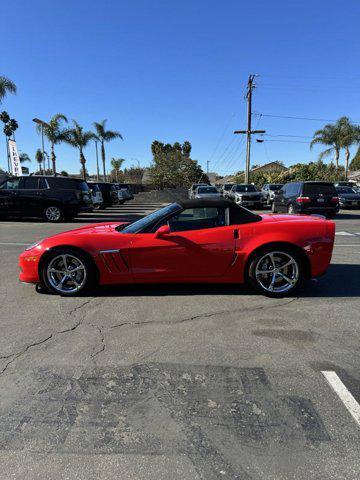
(42, 183)
(30, 183)
(197, 218)
(11, 184)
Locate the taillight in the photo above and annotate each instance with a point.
(303, 200)
(335, 200)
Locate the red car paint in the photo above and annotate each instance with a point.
(206, 255)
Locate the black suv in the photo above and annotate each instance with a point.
(307, 197)
(53, 198)
(108, 191)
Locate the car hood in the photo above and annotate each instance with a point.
(96, 228)
(350, 196)
(248, 193)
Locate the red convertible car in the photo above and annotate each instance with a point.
(213, 241)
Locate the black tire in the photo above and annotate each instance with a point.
(273, 208)
(279, 252)
(53, 213)
(89, 271)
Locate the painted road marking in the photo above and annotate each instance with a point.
(14, 243)
(348, 234)
(343, 393)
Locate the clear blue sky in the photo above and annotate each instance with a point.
(175, 71)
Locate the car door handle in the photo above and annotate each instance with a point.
(236, 233)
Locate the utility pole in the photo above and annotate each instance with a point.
(97, 161)
(249, 132)
(207, 167)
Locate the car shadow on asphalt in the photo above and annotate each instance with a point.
(347, 216)
(341, 280)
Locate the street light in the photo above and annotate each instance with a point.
(43, 124)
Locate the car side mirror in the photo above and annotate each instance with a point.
(163, 230)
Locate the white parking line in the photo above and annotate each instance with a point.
(348, 234)
(14, 243)
(343, 393)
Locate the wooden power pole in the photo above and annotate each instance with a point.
(249, 132)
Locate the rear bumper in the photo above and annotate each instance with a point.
(318, 210)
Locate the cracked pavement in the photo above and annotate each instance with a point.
(181, 382)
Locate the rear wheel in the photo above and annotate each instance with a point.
(276, 272)
(68, 272)
(53, 213)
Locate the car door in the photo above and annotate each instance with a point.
(29, 200)
(9, 196)
(200, 245)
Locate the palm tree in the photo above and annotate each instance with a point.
(329, 135)
(6, 86)
(55, 133)
(103, 136)
(24, 157)
(116, 164)
(79, 139)
(349, 136)
(39, 157)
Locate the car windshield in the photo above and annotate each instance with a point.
(275, 187)
(207, 190)
(150, 219)
(246, 188)
(345, 190)
(228, 186)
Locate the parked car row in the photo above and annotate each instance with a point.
(311, 197)
(57, 198)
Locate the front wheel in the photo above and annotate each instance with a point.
(68, 272)
(275, 272)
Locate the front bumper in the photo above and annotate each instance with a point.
(29, 266)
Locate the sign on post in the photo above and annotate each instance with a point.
(14, 158)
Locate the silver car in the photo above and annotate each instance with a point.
(207, 192)
(246, 195)
(193, 188)
(268, 192)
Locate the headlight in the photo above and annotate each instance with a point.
(33, 245)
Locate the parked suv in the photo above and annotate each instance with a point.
(307, 197)
(246, 195)
(53, 198)
(109, 193)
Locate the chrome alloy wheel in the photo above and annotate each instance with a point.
(53, 214)
(66, 273)
(277, 272)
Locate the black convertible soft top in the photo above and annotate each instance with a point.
(237, 215)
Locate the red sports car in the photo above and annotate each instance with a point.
(213, 241)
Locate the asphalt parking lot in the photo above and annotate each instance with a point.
(179, 382)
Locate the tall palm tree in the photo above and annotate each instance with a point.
(79, 139)
(24, 157)
(104, 136)
(329, 135)
(6, 86)
(116, 164)
(39, 158)
(55, 132)
(349, 136)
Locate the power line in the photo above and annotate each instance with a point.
(283, 141)
(297, 118)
